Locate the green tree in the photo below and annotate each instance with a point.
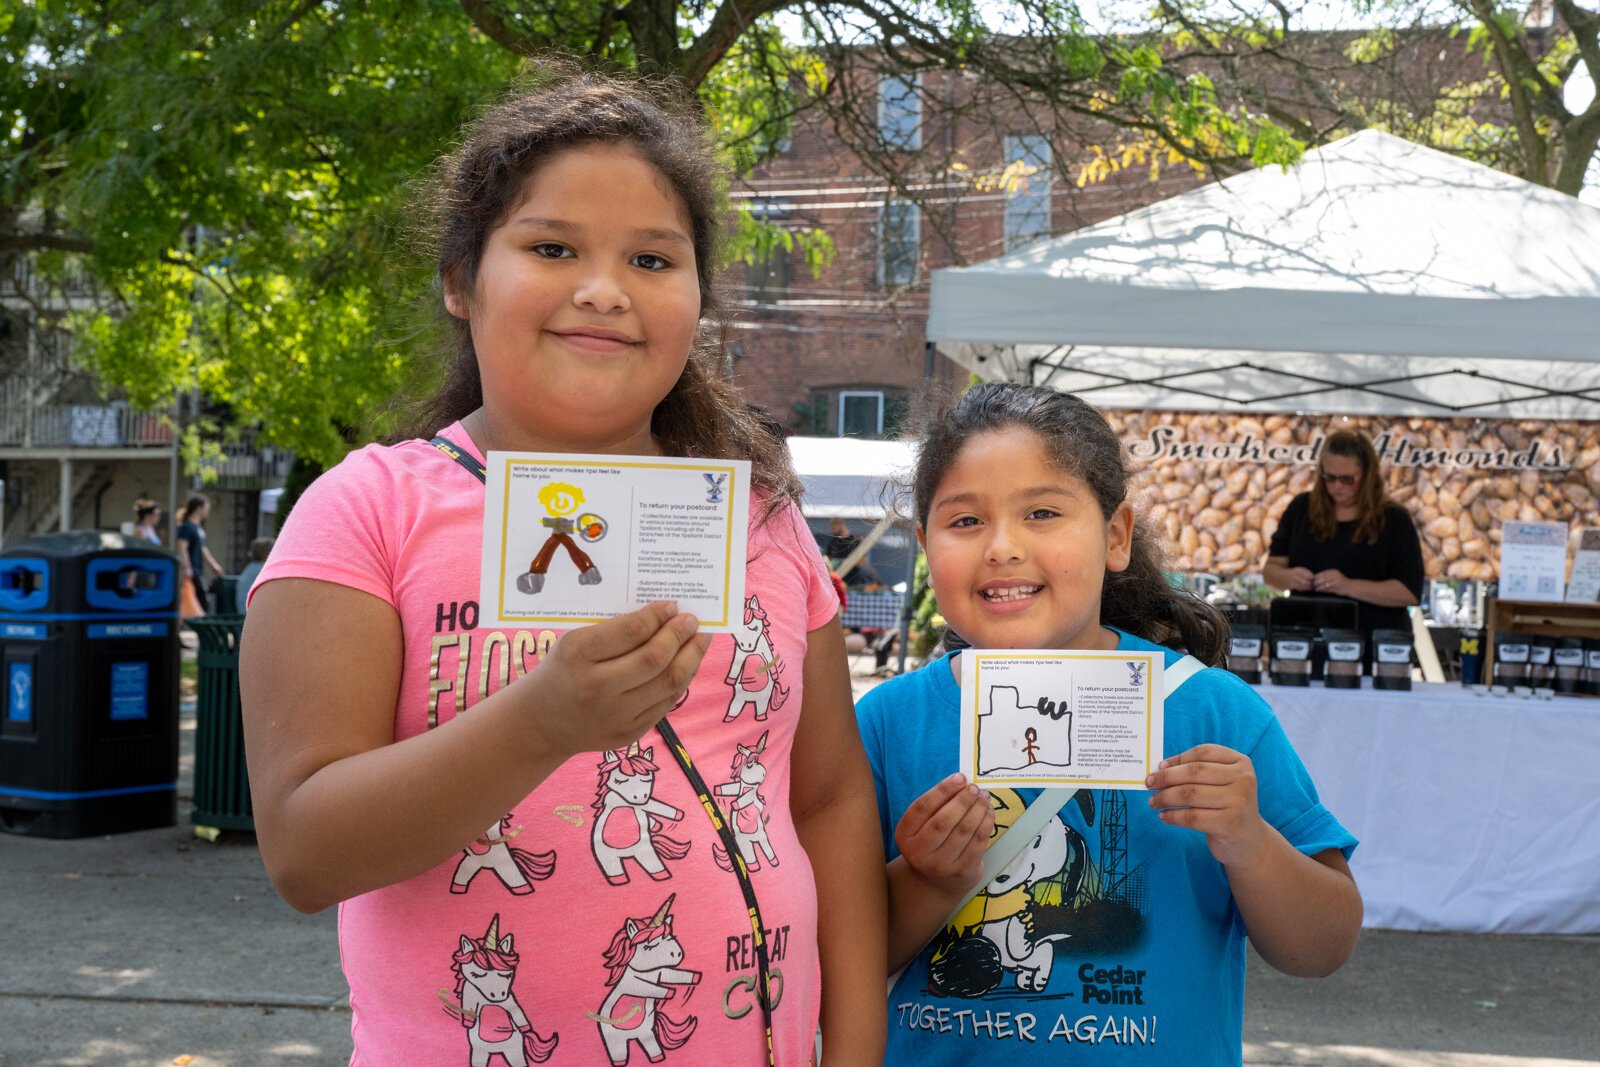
(1485, 80)
(236, 174)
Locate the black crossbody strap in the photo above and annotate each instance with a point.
(461, 456)
(685, 763)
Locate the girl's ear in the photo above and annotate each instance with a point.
(922, 542)
(454, 301)
(1119, 538)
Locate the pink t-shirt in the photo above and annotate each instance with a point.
(597, 922)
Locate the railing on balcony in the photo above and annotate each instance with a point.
(77, 426)
(246, 463)
(21, 280)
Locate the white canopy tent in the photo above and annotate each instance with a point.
(1375, 276)
(849, 478)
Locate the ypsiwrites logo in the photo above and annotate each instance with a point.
(714, 484)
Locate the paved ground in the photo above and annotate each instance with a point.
(156, 948)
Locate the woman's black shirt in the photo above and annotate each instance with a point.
(1397, 554)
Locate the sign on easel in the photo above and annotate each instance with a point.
(1584, 585)
(1533, 560)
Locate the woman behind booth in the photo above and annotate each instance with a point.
(1347, 538)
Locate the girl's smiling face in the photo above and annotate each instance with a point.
(1018, 549)
(586, 302)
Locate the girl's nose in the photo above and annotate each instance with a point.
(1003, 547)
(601, 290)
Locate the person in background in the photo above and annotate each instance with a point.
(147, 520)
(260, 548)
(1347, 538)
(193, 555)
(837, 547)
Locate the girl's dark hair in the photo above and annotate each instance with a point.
(1371, 499)
(559, 107)
(144, 508)
(1080, 442)
(198, 500)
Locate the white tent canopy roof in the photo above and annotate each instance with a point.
(1379, 275)
(848, 477)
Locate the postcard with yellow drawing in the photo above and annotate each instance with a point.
(574, 539)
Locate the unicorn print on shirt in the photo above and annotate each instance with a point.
(756, 672)
(642, 959)
(485, 969)
(747, 811)
(628, 820)
(516, 868)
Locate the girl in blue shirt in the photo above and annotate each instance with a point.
(1117, 935)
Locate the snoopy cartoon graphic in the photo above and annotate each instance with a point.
(995, 933)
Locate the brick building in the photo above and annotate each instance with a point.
(841, 353)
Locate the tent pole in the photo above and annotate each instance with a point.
(908, 605)
(860, 551)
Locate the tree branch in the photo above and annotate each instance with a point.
(1517, 67)
(497, 30)
(732, 21)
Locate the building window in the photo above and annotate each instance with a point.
(864, 411)
(860, 413)
(899, 242)
(900, 112)
(767, 280)
(1028, 202)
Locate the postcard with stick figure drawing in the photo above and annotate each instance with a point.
(1049, 717)
(573, 539)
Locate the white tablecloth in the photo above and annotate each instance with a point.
(1475, 813)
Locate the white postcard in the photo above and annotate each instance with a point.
(573, 539)
(1051, 717)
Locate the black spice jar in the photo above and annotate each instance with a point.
(1244, 651)
(1345, 649)
(1391, 659)
(1569, 659)
(1591, 667)
(1541, 665)
(1512, 652)
(1291, 655)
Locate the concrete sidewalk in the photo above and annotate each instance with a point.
(141, 949)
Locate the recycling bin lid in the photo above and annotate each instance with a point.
(68, 544)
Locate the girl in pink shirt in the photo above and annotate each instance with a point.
(524, 868)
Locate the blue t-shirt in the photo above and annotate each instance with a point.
(1126, 946)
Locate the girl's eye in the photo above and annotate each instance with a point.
(551, 250)
(650, 261)
(965, 520)
(1043, 513)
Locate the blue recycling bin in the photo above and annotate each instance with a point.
(89, 647)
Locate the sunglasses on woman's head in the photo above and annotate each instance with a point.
(1340, 479)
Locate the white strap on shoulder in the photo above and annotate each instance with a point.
(1044, 807)
(1049, 801)
(1180, 672)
